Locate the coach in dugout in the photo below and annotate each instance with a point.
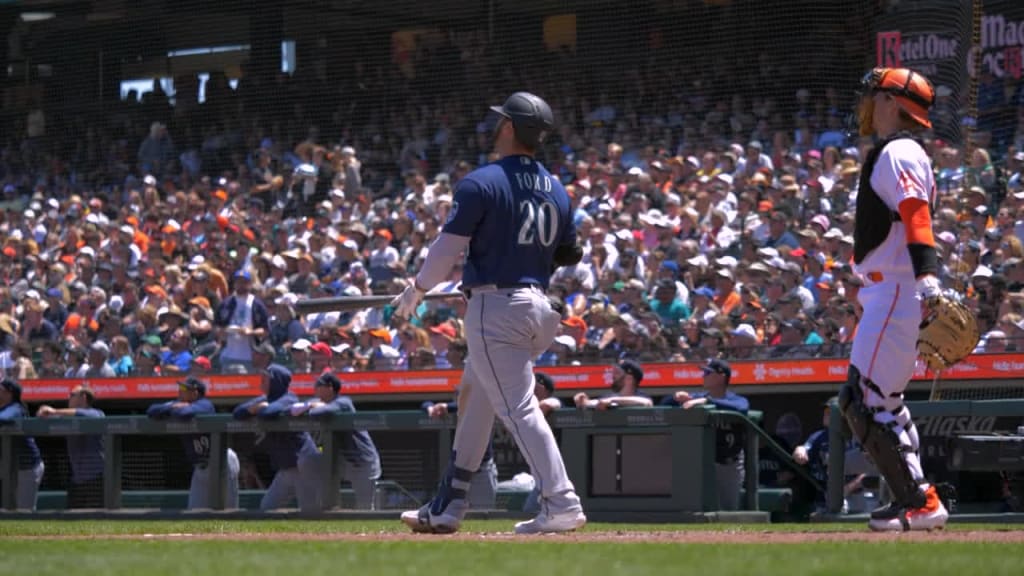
(85, 453)
(729, 438)
(362, 462)
(192, 402)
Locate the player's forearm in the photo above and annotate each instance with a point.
(441, 258)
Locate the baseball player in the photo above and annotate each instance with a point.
(292, 454)
(191, 402)
(30, 462)
(513, 217)
(362, 462)
(85, 453)
(894, 252)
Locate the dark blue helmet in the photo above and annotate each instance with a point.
(530, 116)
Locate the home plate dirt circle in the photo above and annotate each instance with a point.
(680, 537)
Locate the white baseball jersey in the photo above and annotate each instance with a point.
(903, 171)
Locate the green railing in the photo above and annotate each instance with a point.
(661, 459)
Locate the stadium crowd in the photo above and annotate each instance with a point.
(178, 239)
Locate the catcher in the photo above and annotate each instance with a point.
(894, 252)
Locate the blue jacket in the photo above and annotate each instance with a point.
(197, 446)
(25, 447)
(283, 448)
(260, 317)
(356, 446)
(86, 452)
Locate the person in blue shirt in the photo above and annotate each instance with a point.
(362, 462)
(293, 455)
(85, 453)
(192, 402)
(30, 463)
(729, 437)
(177, 359)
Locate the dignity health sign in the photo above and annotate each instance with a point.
(935, 39)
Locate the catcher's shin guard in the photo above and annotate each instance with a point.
(880, 442)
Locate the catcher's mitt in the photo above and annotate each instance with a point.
(948, 333)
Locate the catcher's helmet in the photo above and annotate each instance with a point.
(912, 91)
(530, 116)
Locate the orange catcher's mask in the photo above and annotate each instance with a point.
(912, 91)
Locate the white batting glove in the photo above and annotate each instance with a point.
(928, 287)
(405, 304)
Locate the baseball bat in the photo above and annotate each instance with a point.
(349, 303)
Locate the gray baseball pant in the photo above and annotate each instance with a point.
(199, 492)
(506, 330)
(300, 483)
(28, 486)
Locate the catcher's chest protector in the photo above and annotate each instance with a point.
(874, 219)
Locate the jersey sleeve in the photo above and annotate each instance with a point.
(468, 207)
(902, 173)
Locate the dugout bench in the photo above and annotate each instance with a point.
(643, 462)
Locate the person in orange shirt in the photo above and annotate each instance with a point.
(726, 298)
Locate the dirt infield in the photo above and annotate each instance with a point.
(681, 537)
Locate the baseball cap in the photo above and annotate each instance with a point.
(321, 348)
(381, 333)
(717, 366)
(567, 341)
(13, 387)
(192, 383)
(329, 380)
(203, 362)
(301, 344)
(575, 322)
(705, 292)
(445, 329)
(745, 330)
(633, 368)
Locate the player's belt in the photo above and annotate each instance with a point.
(496, 287)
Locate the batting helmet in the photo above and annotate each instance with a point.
(912, 91)
(530, 116)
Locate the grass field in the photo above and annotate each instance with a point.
(485, 548)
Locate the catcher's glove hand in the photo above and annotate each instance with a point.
(948, 332)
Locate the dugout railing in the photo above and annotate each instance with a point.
(627, 462)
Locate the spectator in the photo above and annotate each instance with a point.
(121, 357)
(626, 378)
(97, 366)
(729, 454)
(292, 454)
(29, 462)
(85, 452)
(359, 455)
(242, 318)
(177, 359)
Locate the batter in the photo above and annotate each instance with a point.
(515, 219)
(894, 251)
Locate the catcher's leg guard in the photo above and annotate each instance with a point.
(881, 441)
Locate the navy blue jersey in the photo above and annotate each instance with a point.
(516, 214)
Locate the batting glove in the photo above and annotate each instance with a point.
(405, 304)
(928, 288)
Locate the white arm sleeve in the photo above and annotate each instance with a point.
(440, 259)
